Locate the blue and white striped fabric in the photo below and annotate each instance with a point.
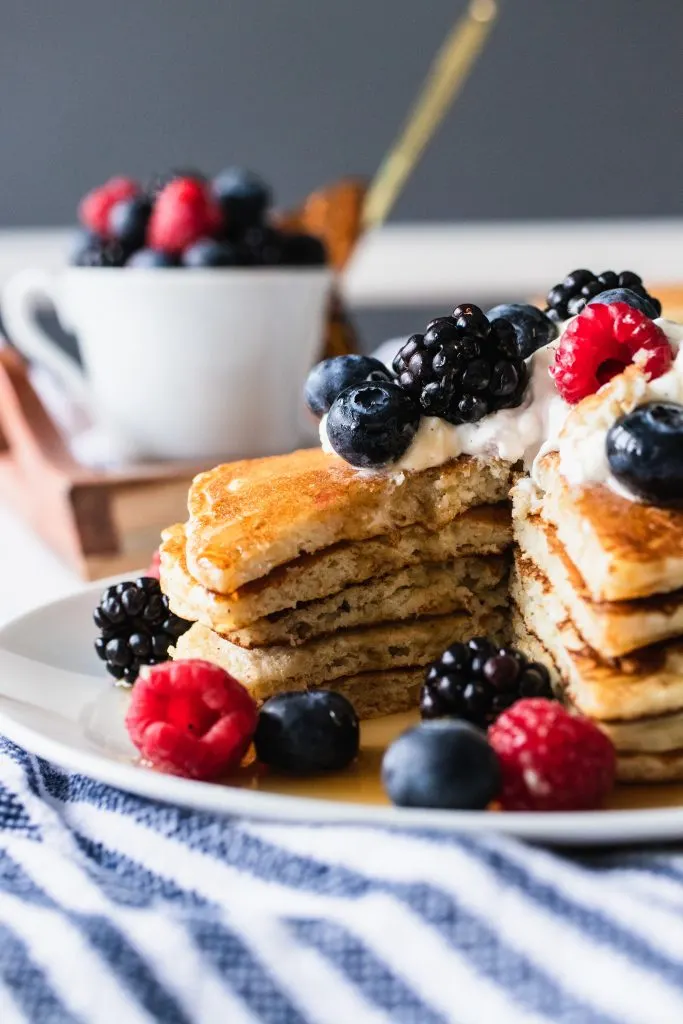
(117, 909)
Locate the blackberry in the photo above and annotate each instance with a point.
(100, 252)
(571, 296)
(463, 367)
(136, 627)
(478, 680)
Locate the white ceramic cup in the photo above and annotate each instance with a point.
(178, 363)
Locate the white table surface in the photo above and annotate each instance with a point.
(30, 573)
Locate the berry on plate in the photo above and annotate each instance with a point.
(304, 732)
(645, 452)
(478, 680)
(136, 627)
(184, 212)
(601, 342)
(571, 296)
(463, 367)
(329, 378)
(372, 424)
(533, 328)
(640, 302)
(550, 759)
(95, 207)
(191, 718)
(446, 764)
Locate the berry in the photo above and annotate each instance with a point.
(136, 627)
(209, 253)
(601, 342)
(329, 378)
(184, 212)
(305, 732)
(446, 764)
(128, 220)
(99, 252)
(571, 296)
(477, 681)
(95, 207)
(191, 718)
(640, 302)
(645, 452)
(243, 198)
(267, 246)
(304, 251)
(533, 328)
(372, 424)
(551, 760)
(148, 259)
(159, 181)
(463, 368)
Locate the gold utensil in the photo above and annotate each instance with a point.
(445, 79)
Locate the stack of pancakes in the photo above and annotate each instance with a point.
(596, 591)
(300, 572)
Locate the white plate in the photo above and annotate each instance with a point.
(57, 702)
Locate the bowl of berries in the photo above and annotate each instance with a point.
(197, 318)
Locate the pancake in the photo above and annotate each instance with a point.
(648, 749)
(622, 549)
(482, 531)
(248, 517)
(645, 683)
(413, 592)
(612, 628)
(391, 646)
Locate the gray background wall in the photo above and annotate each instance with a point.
(574, 109)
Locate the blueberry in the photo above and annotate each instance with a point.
(329, 378)
(305, 732)
(645, 452)
(243, 196)
(442, 763)
(303, 251)
(128, 221)
(372, 424)
(151, 258)
(209, 253)
(533, 328)
(639, 302)
(93, 251)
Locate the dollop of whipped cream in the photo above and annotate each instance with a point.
(581, 442)
(512, 435)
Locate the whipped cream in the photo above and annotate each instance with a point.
(512, 435)
(582, 445)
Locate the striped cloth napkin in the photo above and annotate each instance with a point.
(118, 909)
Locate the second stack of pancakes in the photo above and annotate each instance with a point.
(298, 572)
(597, 595)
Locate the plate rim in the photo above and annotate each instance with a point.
(563, 828)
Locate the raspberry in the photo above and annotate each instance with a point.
(95, 207)
(601, 342)
(184, 212)
(191, 718)
(551, 760)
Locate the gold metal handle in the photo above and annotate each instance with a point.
(444, 81)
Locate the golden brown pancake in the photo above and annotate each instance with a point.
(248, 517)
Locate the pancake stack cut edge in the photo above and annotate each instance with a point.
(596, 594)
(298, 572)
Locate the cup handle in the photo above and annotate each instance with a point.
(22, 296)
